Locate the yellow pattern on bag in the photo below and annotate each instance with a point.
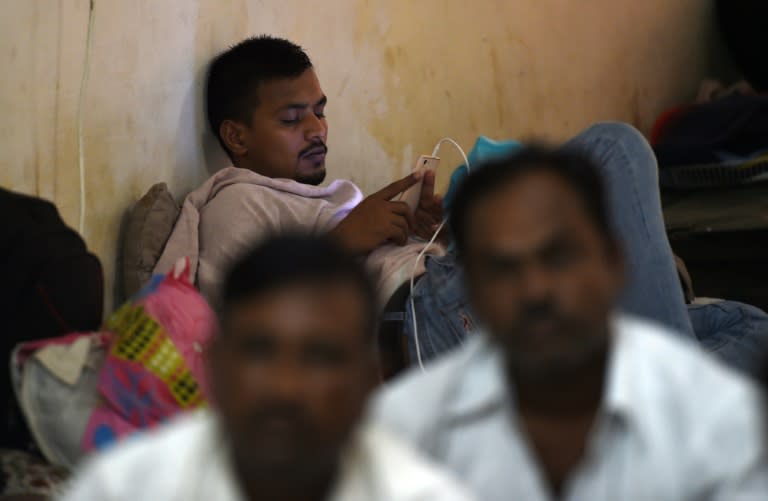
(142, 340)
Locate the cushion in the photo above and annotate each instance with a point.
(149, 225)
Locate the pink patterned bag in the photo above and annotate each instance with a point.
(155, 366)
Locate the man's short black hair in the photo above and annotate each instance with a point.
(294, 260)
(577, 169)
(234, 77)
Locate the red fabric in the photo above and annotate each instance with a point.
(666, 118)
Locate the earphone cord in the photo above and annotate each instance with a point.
(424, 251)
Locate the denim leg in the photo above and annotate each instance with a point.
(630, 174)
(443, 315)
(653, 287)
(736, 332)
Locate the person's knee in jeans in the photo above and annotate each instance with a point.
(735, 332)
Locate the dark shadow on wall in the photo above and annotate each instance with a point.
(118, 286)
(215, 158)
(194, 141)
(219, 24)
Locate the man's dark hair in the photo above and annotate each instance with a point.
(577, 169)
(293, 260)
(235, 75)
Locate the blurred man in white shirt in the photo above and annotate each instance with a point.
(290, 374)
(559, 397)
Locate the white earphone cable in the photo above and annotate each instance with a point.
(424, 251)
(80, 106)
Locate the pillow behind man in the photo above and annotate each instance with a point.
(49, 285)
(150, 223)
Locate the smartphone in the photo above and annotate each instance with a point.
(411, 195)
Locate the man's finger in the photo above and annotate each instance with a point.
(400, 222)
(423, 231)
(396, 231)
(435, 209)
(427, 217)
(402, 210)
(391, 190)
(398, 234)
(427, 189)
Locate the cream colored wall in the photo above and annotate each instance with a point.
(399, 74)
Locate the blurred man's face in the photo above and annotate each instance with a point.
(541, 276)
(287, 135)
(291, 372)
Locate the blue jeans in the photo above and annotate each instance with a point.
(736, 332)
(653, 288)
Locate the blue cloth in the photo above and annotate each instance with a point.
(653, 288)
(484, 150)
(736, 332)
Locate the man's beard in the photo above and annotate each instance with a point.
(317, 176)
(581, 343)
(313, 179)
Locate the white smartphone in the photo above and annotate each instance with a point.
(411, 195)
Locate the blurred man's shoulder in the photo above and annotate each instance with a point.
(148, 465)
(680, 361)
(395, 470)
(179, 435)
(411, 403)
(665, 373)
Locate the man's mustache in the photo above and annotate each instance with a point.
(317, 147)
(280, 411)
(533, 313)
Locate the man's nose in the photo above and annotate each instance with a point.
(537, 283)
(285, 382)
(316, 128)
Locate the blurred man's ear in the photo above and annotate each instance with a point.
(233, 135)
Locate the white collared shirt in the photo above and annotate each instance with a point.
(674, 425)
(187, 461)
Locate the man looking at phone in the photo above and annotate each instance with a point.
(267, 109)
